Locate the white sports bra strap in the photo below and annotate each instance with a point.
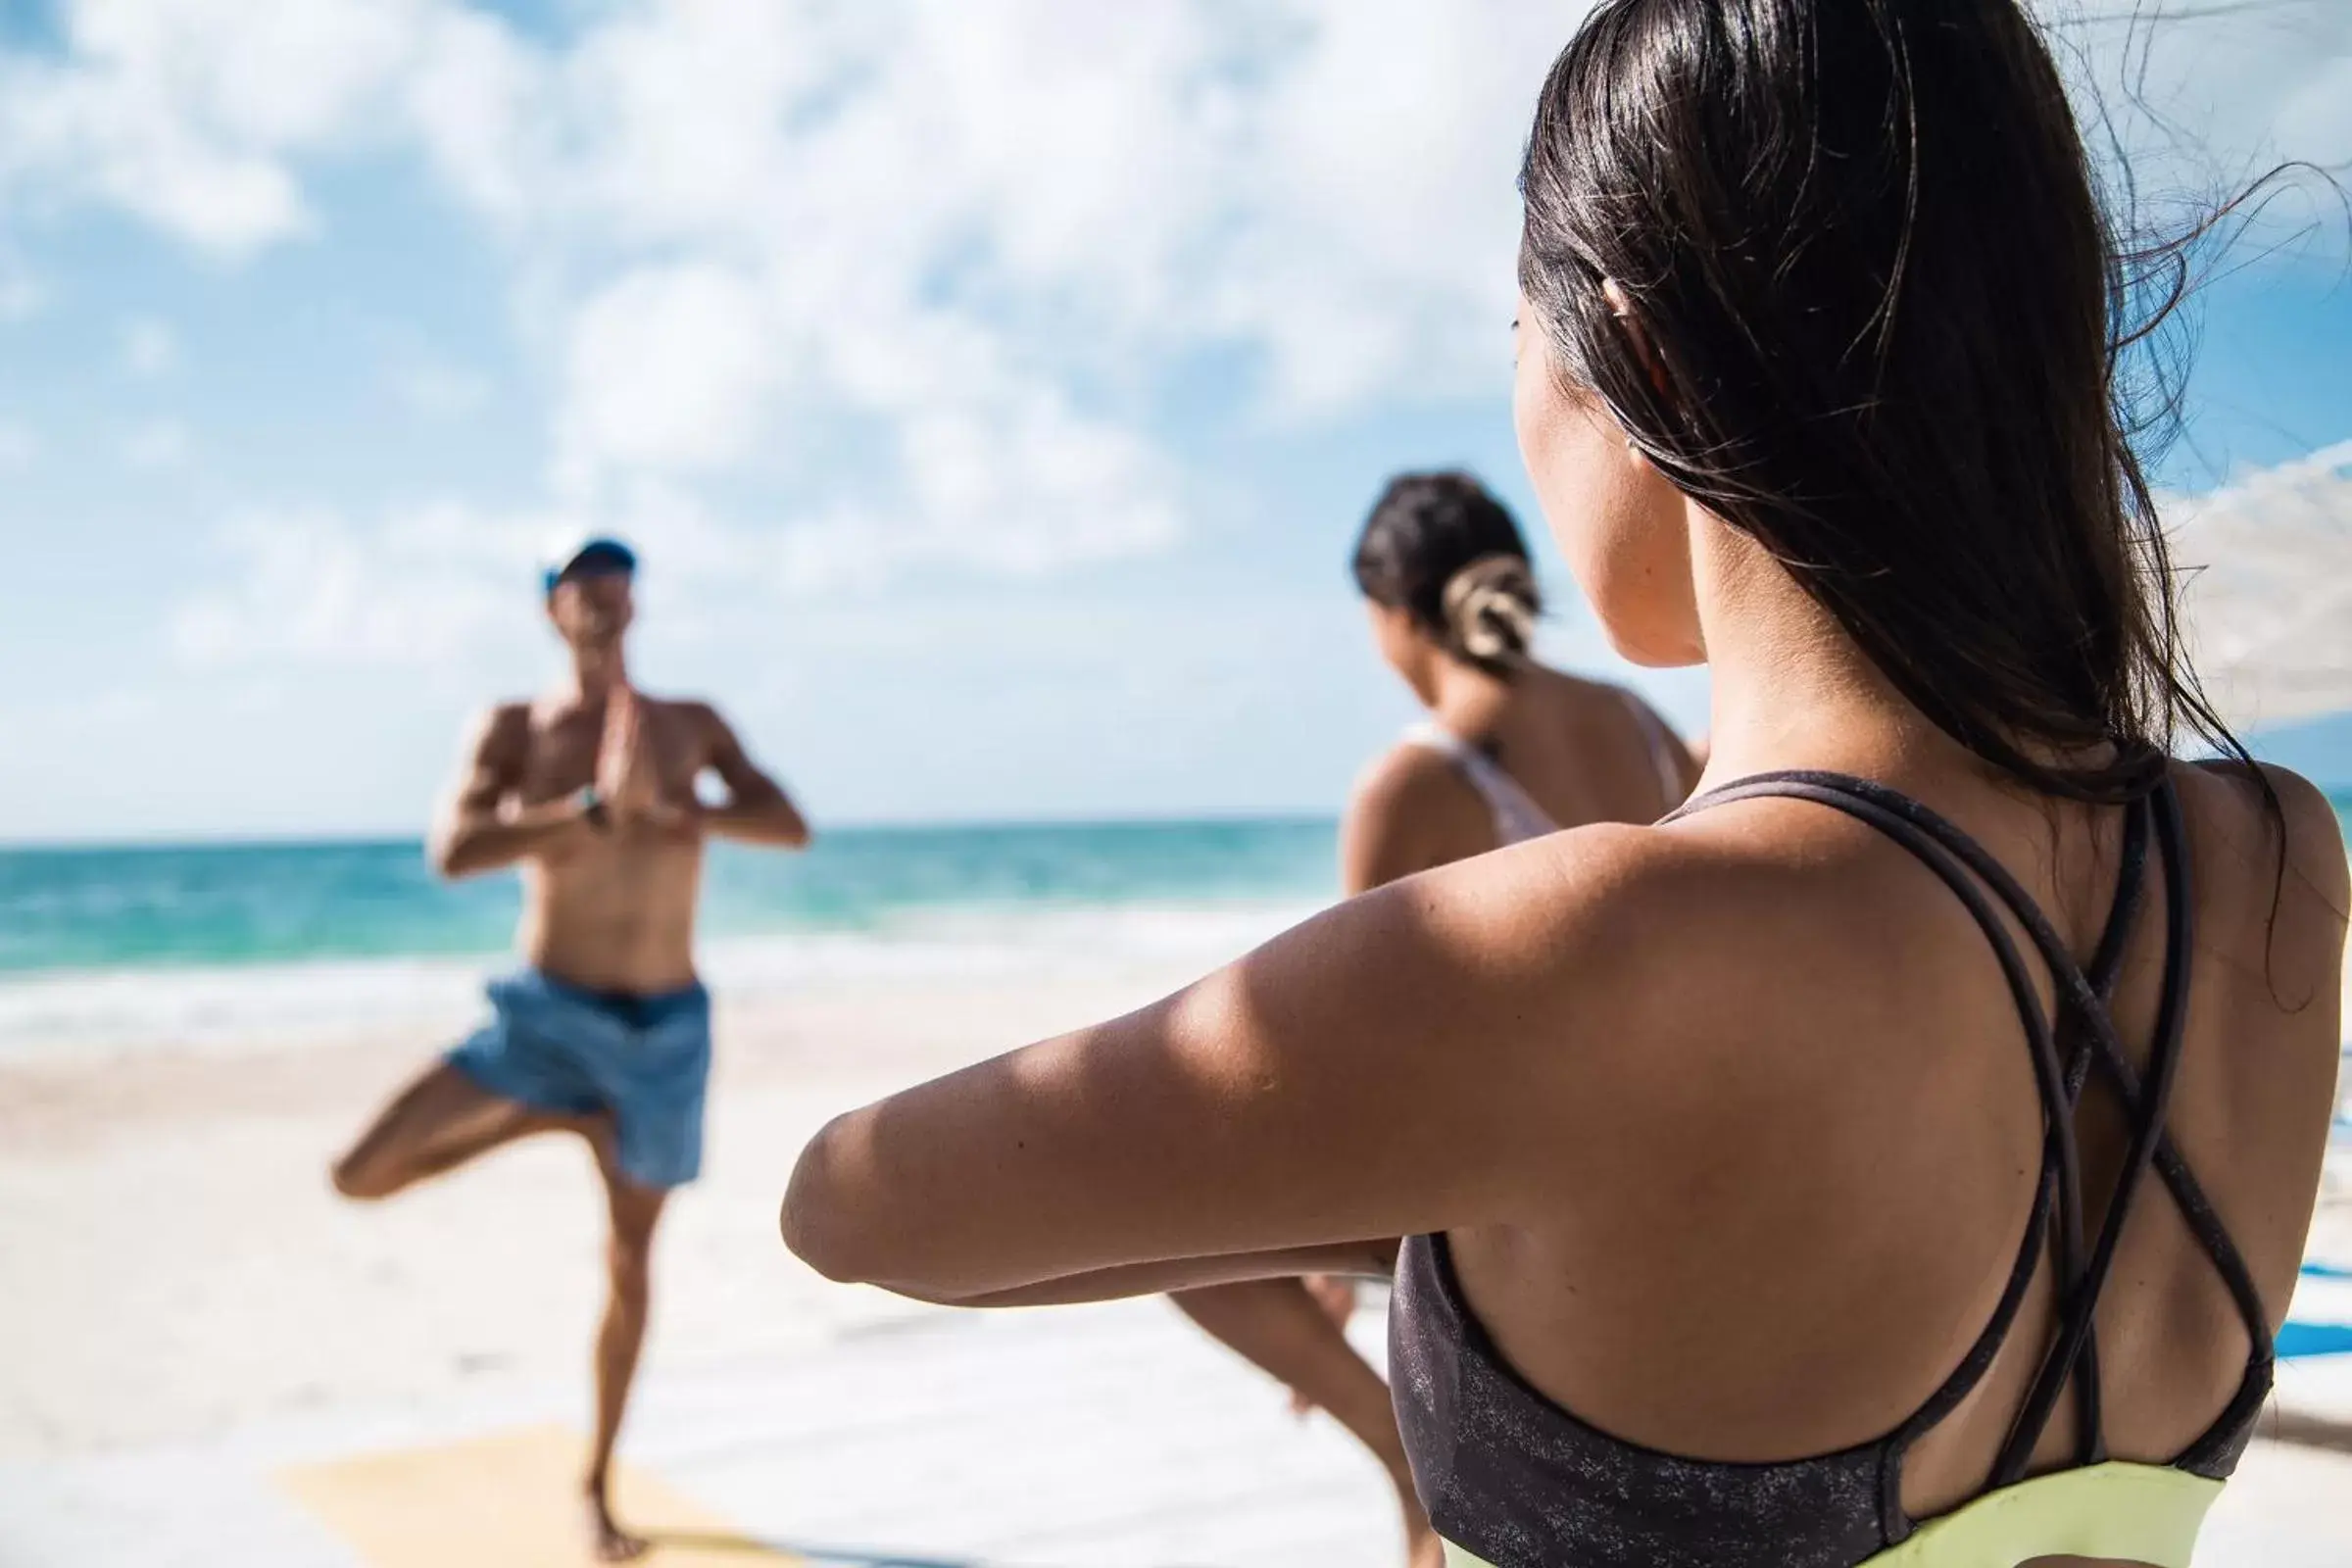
(1517, 817)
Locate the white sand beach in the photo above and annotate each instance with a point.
(188, 1310)
(173, 1249)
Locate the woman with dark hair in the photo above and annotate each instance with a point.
(1511, 751)
(1902, 1153)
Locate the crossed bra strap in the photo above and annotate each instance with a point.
(2064, 1050)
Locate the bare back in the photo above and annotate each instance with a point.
(1845, 1221)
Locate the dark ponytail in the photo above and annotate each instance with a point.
(1442, 549)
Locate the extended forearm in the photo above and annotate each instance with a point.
(760, 817)
(474, 842)
(1358, 1259)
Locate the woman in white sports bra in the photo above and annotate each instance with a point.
(1511, 750)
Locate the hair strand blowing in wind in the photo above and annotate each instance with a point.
(1888, 318)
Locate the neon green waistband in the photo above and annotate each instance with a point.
(2140, 1513)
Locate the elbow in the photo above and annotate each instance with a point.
(826, 1227)
(816, 1222)
(810, 1238)
(787, 828)
(456, 857)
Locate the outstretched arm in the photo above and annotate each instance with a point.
(756, 810)
(1369, 1074)
(1341, 1260)
(480, 827)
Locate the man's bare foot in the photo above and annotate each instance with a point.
(608, 1542)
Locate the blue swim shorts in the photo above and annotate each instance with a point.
(646, 1059)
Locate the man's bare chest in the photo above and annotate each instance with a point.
(564, 753)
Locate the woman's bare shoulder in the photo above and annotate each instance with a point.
(1668, 896)
(2269, 871)
(1410, 808)
(1408, 774)
(2228, 796)
(1606, 995)
(1641, 934)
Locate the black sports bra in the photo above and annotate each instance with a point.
(1511, 1477)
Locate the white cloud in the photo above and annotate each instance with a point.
(2204, 97)
(472, 99)
(149, 348)
(73, 136)
(979, 233)
(276, 77)
(156, 444)
(422, 588)
(2267, 589)
(189, 113)
(925, 268)
(668, 371)
(978, 236)
(434, 586)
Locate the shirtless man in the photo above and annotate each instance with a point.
(607, 1032)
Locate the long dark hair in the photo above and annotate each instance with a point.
(1442, 549)
(1889, 318)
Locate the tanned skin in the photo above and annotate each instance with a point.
(608, 905)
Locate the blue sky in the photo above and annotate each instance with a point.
(994, 387)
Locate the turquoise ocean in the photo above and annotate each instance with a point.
(177, 906)
(175, 942)
(177, 945)
(100, 910)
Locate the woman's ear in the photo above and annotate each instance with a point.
(1621, 306)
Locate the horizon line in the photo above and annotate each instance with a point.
(362, 838)
(2337, 792)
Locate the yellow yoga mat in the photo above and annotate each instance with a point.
(509, 1501)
